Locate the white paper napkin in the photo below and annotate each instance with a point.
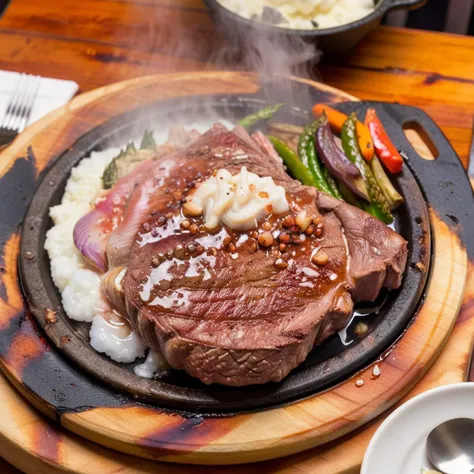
(52, 93)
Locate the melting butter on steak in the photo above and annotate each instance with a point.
(233, 307)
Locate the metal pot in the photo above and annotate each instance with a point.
(329, 40)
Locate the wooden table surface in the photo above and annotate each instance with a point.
(98, 42)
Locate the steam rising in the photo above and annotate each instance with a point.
(183, 40)
(191, 38)
(269, 54)
(275, 57)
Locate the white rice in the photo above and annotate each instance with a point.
(78, 283)
(113, 338)
(83, 185)
(81, 294)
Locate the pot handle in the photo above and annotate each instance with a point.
(409, 4)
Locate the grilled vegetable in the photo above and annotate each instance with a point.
(335, 118)
(336, 121)
(89, 234)
(305, 138)
(337, 163)
(286, 132)
(315, 167)
(332, 184)
(291, 160)
(384, 147)
(378, 206)
(391, 194)
(349, 196)
(111, 173)
(307, 154)
(260, 115)
(285, 128)
(128, 159)
(148, 142)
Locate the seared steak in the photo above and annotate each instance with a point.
(94, 234)
(238, 313)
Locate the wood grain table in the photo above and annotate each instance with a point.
(98, 42)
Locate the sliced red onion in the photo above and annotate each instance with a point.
(337, 162)
(91, 240)
(92, 231)
(138, 206)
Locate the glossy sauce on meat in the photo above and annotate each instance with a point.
(244, 307)
(196, 255)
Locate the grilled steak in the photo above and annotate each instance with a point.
(219, 305)
(94, 234)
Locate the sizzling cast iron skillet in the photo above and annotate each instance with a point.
(328, 364)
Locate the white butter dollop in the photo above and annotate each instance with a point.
(238, 201)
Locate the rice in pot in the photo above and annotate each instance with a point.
(302, 14)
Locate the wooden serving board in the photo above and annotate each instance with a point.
(148, 432)
(34, 444)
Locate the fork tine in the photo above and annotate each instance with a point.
(16, 109)
(17, 106)
(13, 100)
(30, 103)
(17, 101)
(17, 116)
(24, 104)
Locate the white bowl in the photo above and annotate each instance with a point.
(399, 445)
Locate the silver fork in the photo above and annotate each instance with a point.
(19, 108)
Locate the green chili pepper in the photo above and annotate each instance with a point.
(305, 138)
(378, 206)
(332, 184)
(293, 163)
(316, 170)
(308, 156)
(260, 115)
(393, 197)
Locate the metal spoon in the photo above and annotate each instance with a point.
(450, 446)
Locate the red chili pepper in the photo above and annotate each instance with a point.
(384, 147)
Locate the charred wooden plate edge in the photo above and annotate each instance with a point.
(42, 294)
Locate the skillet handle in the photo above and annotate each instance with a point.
(406, 116)
(450, 192)
(409, 4)
(412, 117)
(444, 181)
(449, 183)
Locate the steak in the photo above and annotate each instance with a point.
(95, 233)
(240, 314)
